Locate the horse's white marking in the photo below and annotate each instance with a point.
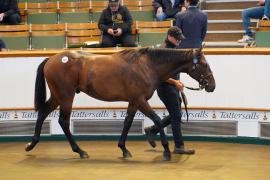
(64, 59)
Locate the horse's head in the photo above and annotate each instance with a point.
(201, 72)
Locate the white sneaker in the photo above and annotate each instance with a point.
(246, 39)
(265, 18)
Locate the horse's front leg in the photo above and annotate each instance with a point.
(131, 111)
(145, 108)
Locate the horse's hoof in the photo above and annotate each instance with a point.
(84, 155)
(127, 154)
(167, 155)
(29, 146)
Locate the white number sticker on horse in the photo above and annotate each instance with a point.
(64, 59)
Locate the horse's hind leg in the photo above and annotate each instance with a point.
(50, 105)
(145, 108)
(64, 121)
(127, 124)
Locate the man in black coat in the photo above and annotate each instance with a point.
(9, 12)
(193, 23)
(167, 8)
(116, 23)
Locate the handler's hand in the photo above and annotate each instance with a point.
(180, 86)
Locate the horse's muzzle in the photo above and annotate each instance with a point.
(210, 88)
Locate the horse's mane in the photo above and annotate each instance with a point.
(156, 55)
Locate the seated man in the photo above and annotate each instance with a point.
(116, 22)
(2, 45)
(167, 8)
(9, 12)
(260, 12)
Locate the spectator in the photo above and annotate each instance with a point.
(168, 92)
(9, 12)
(167, 8)
(116, 23)
(260, 12)
(193, 23)
(2, 46)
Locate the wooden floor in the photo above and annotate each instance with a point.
(55, 160)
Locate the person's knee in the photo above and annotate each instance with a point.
(161, 17)
(107, 44)
(14, 19)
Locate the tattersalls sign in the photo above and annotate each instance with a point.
(248, 121)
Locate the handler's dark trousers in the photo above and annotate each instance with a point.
(169, 95)
(111, 41)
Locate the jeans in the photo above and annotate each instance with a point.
(255, 13)
(163, 16)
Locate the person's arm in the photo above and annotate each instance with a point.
(101, 23)
(180, 86)
(13, 8)
(204, 27)
(128, 21)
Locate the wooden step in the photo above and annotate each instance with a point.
(224, 14)
(227, 25)
(230, 5)
(224, 44)
(223, 36)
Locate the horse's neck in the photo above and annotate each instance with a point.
(178, 63)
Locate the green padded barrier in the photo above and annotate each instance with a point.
(48, 42)
(95, 16)
(151, 39)
(262, 38)
(42, 18)
(16, 43)
(74, 17)
(142, 15)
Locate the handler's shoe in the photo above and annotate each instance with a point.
(182, 150)
(150, 136)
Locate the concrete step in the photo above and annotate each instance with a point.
(230, 4)
(215, 36)
(228, 14)
(216, 25)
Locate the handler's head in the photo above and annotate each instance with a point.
(114, 5)
(175, 35)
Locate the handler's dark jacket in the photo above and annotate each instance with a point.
(167, 6)
(120, 19)
(168, 44)
(9, 7)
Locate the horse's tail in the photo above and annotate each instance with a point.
(40, 87)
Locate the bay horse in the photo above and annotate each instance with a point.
(130, 75)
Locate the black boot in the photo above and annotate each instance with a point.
(182, 150)
(150, 135)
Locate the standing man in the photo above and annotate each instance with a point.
(167, 8)
(9, 12)
(116, 24)
(168, 92)
(193, 23)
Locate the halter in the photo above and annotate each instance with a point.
(202, 81)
